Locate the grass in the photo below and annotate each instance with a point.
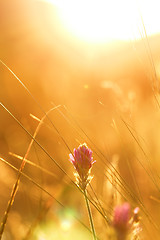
(119, 123)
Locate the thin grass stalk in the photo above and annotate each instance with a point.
(16, 185)
(48, 193)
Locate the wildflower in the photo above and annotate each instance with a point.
(121, 220)
(82, 161)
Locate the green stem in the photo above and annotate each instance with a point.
(90, 215)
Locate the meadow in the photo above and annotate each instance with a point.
(57, 93)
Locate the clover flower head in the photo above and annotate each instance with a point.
(82, 161)
(121, 220)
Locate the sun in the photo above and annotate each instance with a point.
(105, 20)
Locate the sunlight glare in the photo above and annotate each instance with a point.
(66, 224)
(98, 20)
(103, 20)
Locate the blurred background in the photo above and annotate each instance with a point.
(93, 61)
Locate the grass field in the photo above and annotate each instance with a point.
(57, 93)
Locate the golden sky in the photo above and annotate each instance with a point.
(104, 20)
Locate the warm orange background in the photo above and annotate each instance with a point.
(98, 83)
